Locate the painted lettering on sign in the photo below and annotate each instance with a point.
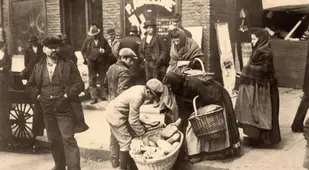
(167, 4)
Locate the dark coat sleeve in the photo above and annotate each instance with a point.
(163, 52)
(84, 48)
(141, 50)
(123, 81)
(209, 92)
(77, 85)
(31, 86)
(106, 47)
(6, 62)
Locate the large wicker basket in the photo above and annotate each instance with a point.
(165, 163)
(200, 74)
(208, 121)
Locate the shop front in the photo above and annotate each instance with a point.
(286, 22)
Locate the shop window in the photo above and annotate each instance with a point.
(137, 12)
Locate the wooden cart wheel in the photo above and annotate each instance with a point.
(21, 117)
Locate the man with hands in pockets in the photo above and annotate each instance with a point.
(55, 83)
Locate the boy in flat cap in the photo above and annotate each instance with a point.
(56, 84)
(33, 54)
(153, 51)
(122, 115)
(113, 42)
(133, 41)
(118, 79)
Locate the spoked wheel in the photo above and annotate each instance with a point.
(21, 117)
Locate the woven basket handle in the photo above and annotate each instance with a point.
(194, 105)
(202, 64)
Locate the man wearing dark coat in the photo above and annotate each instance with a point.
(132, 41)
(66, 50)
(153, 51)
(33, 54)
(117, 80)
(97, 54)
(56, 84)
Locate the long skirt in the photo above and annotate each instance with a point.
(255, 123)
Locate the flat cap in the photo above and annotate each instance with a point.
(111, 31)
(155, 85)
(127, 52)
(51, 42)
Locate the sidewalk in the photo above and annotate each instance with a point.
(288, 155)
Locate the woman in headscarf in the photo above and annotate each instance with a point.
(209, 92)
(183, 50)
(257, 105)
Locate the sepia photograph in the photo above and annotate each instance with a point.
(154, 84)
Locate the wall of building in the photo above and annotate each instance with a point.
(111, 15)
(53, 19)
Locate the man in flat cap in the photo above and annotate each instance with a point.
(97, 54)
(133, 41)
(56, 84)
(122, 115)
(118, 79)
(113, 42)
(33, 54)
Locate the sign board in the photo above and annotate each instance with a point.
(197, 33)
(226, 56)
(137, 12)
(18, 63)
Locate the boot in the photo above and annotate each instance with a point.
(94, 101)
(124, 160)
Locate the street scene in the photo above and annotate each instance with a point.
(154, 84)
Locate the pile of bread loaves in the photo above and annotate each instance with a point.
(157, 145)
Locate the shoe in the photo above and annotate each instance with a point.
(115, 162)
(94, 101)
(124, 160)
(80, 127)
(298, 130)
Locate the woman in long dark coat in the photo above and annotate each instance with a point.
(6, 136)
(210, 92)
(257, 104)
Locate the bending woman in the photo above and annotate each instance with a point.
(257, 104)
(210, 92)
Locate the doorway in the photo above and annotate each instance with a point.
(77, 16)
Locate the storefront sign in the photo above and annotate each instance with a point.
(137, 12)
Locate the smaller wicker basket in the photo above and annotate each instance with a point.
(208, 122)
(200, 74)
(165, 163)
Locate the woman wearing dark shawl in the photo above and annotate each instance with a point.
(257, 105)
(210, 92)
(183, 50)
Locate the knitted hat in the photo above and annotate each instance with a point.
(127, 52)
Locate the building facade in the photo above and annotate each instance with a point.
(22, 18)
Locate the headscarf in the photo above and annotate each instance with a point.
(260, 67)
(187, 49)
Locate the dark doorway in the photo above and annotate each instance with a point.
(77, 16)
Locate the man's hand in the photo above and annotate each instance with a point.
(38, 96)
(1, 68)
(102, 50)
(65, 95)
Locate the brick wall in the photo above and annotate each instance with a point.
(205, 13)
(53, 18)
(111, 15)
(6, 21)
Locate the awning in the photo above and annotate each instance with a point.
(300, 6)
